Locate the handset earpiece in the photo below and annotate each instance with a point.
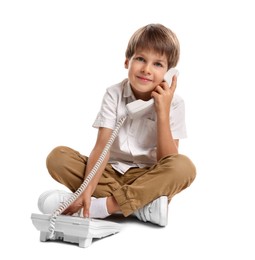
(169, 75)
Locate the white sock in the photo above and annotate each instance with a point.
(98, 208)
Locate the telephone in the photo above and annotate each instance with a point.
(139, 107)
(82, 230)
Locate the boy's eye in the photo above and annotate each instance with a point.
(140, 59)
(158, 64)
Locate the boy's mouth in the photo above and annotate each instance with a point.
(144, 79)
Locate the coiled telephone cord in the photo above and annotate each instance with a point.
(85, 183)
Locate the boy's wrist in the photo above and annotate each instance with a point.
(163, 118)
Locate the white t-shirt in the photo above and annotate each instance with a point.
(135, 145)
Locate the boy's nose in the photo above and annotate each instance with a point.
(146, 69)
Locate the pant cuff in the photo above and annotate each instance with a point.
(125, 203)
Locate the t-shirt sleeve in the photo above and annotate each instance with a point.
(177, 118)
(107, 114)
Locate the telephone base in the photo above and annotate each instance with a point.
(76, 230)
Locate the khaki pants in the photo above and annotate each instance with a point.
(133, 190)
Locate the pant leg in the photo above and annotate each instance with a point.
(133, 190)
(68, 166)
(169, 176)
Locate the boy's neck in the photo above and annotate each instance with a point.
(143, 96)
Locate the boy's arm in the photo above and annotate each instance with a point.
(163, 96)
(166, 145)
(84, 200)
(102, 139)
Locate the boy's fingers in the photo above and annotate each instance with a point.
(86, 213)
(86, 209)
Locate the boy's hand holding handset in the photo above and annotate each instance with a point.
(163, 93)
(139, 107)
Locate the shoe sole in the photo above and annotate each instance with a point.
(163, 211)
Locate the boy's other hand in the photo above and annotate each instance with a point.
(163, 95)
(82, 202)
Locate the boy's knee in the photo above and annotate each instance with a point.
(55, 159)
(187, 167)
(182, 167)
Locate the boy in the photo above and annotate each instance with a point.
(143, 170)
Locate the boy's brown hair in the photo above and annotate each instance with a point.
(158, 38)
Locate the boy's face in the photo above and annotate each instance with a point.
(146, 70)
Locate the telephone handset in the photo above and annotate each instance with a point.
(139, 107)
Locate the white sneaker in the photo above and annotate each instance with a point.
(50, 200)
(155, 212)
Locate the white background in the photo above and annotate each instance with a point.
(56, 60)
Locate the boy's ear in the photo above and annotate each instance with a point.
(126, 63)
